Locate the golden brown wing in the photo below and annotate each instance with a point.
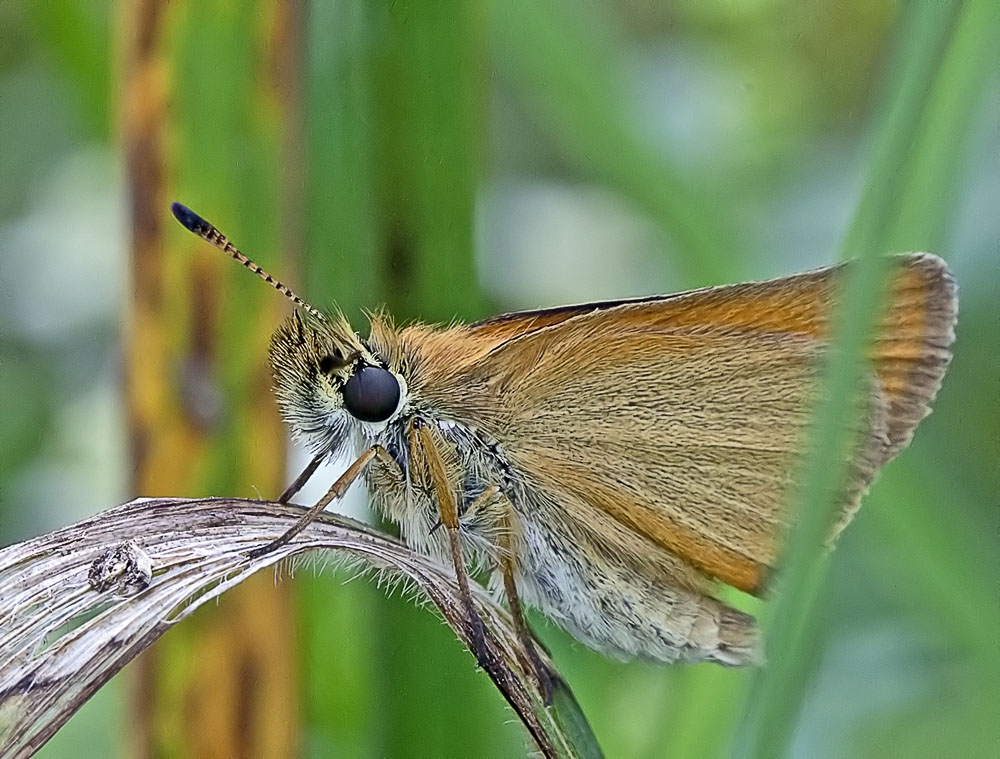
(683, 417)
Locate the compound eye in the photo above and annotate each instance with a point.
(371, 394)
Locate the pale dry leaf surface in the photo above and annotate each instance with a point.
(79, 603)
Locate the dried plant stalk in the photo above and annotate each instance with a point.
(79, 603)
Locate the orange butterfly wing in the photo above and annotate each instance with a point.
(682, 416)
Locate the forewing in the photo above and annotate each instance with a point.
(683, 417)
(690, 440)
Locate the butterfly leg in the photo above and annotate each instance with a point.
(480, 500)
(336, 491)
(545, 675)
(302, 479)
(528, 655)
(420, 436)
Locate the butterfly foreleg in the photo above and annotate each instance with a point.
(302, 479)
(336, 491)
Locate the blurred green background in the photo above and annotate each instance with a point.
(455, 160)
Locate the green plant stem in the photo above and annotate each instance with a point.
(791, 626)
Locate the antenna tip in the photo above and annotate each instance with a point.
(188, 218)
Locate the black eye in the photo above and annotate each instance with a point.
(372, 394)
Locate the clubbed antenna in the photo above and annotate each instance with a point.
(207, 231)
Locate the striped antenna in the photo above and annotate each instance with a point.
(206, 231)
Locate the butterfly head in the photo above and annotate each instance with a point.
(328, 381)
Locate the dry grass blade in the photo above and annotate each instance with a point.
(80, 603)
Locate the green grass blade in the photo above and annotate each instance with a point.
(792, 625)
